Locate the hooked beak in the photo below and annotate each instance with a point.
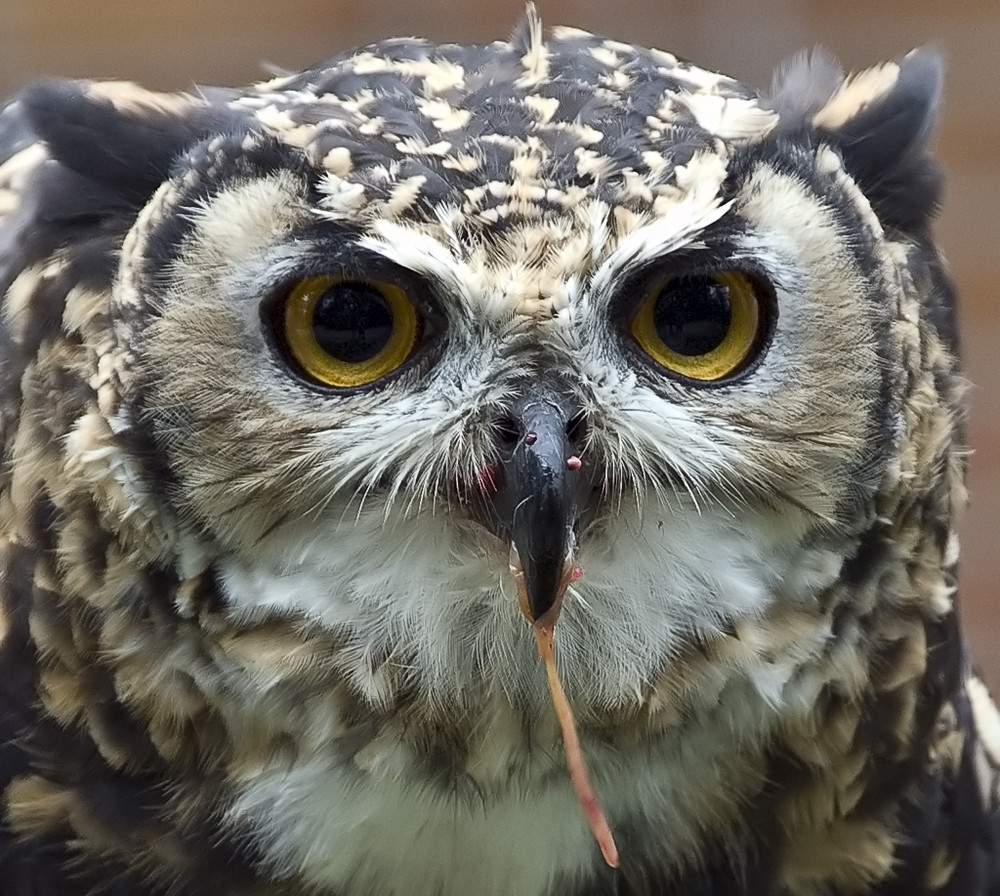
(538, 502)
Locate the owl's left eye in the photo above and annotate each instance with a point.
(703, 327)
(345, 332)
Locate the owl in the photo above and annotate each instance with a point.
(519, 470)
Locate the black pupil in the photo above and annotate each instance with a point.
(692, 315)
(352, 322)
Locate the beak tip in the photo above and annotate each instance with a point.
(541, 596)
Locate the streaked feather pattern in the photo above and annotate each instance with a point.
(260, 636)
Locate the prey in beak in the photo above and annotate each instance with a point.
(538, 504)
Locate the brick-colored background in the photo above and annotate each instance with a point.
(177, 44)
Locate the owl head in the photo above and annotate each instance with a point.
(322, 397)
(379, 330)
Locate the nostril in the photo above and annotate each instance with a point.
(508, 431)
(576, 430)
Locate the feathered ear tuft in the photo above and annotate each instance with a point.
(881, 120)
(802, 85)
(114, 133)
(107, 147)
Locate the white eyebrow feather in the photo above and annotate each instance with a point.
(695, 205)
(418, 251)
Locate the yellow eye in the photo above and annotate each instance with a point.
(347, 332)
(703, 326)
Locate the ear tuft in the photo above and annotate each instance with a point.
(102, 149)
(803, 84)
(880, 119)
(115, 133)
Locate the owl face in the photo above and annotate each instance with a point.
(465, 308)
(321, 398)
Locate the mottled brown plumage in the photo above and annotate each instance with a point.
(291, 374)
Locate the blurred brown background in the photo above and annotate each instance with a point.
(184, 42)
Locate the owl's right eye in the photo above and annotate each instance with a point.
(346, 332)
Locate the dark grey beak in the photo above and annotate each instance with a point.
(538, 501)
